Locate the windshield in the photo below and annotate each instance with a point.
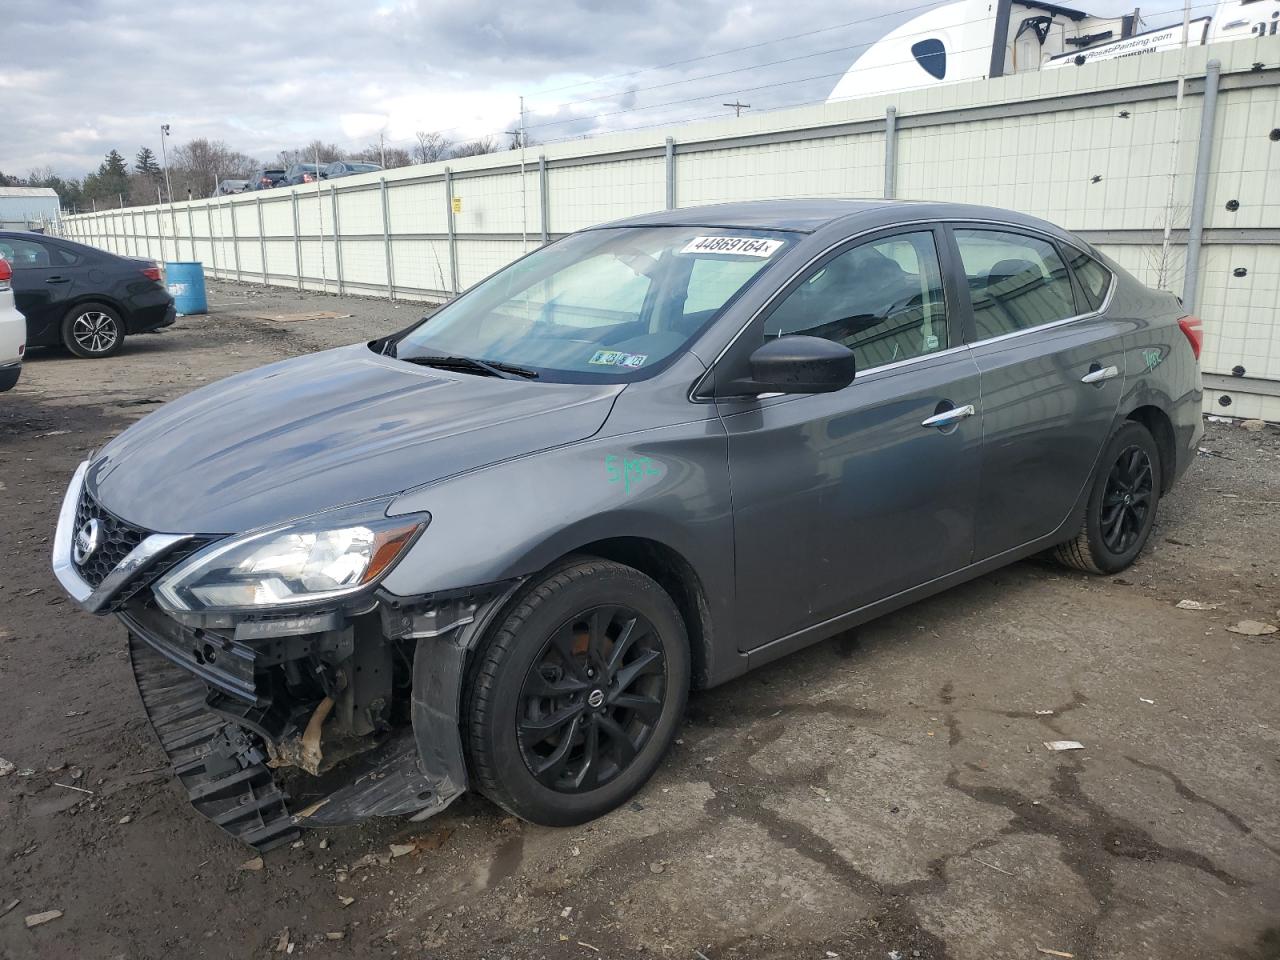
(600, 306)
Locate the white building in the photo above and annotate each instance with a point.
(27, 208)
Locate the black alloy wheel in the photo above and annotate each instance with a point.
(1127, 499)
(1124, 494)
(575, 692)
(591, 699)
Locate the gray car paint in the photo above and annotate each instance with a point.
(733, 481)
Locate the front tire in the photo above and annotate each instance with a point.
(577, 694)
(93, 331)
(1122, 505)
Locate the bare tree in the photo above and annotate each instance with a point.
(431, 147)
(376, 152)
(199, 164)
(476, 147)
(327, 153)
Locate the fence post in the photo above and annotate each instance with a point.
(337, 239)
(235, 238)
(453, 244)
(262, 240)
(1200, 187)
(386, 239)
(671, 174)
(213, 248)
(544, 196)
(297, 242)
(890, 151)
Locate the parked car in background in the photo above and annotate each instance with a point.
(347, 168)
(228, 187)
(302, 173)
(13, 331)
(267, 178)
(496, 549)
(85, 299)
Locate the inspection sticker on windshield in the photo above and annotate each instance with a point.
(738, 246)
(615, 358)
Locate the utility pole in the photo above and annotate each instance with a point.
(382, 146)
(738, 107)
(518, 133)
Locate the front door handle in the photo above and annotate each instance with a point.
(948, 417)
(1100, 374)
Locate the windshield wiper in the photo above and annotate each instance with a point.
(493, 368)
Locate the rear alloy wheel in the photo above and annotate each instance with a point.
(1122, 505)
(92, 330)
(577, 693)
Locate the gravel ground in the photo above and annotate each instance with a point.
(883, 794)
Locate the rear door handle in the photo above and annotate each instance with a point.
(948, 417)
(58, 280)
(1100, 374)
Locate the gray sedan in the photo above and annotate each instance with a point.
(497, 549)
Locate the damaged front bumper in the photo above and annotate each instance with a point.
(274, 722)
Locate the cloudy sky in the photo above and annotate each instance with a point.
(79, 77)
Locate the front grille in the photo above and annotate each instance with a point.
(118, 539)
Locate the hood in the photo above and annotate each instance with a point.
(320, 431)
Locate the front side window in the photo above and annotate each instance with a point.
(24, 254)
(1015, 281)
(882, 299)
(600, 306)
(1094, 278)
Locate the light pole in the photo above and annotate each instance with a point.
(173, 217)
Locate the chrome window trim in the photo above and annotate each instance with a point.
(696, 397)
(90, 598)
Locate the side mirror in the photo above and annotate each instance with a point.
(798, 364)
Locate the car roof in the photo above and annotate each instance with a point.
(809, 215)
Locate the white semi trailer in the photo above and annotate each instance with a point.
(975, 39)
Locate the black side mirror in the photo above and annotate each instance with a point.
(797, 364)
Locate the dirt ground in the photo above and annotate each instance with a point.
(886, 794)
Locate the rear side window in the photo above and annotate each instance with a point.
(1094, 278)
(1015, 281)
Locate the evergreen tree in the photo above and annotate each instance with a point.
(146, 164)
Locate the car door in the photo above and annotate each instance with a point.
(1052, 372)
(842, 499)
(42, 284)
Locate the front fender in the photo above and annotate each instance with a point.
(512, 519)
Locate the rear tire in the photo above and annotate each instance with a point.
(1122, 505)
(577, 694)
(93, 331)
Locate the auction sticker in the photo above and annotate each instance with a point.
(615, 358)
(738, 246)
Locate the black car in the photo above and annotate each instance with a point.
(347, 168)
(266, 178)
(302, 173)
(83, 298)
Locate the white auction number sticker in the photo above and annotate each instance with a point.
(737, 246)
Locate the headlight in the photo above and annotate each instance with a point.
(307, 561)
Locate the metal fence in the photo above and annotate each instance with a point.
(1091, 148)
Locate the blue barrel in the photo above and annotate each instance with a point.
(185, 281)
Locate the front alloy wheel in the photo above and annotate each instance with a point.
(591, 699)
(576, 692)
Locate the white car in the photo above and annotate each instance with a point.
(13, 331)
